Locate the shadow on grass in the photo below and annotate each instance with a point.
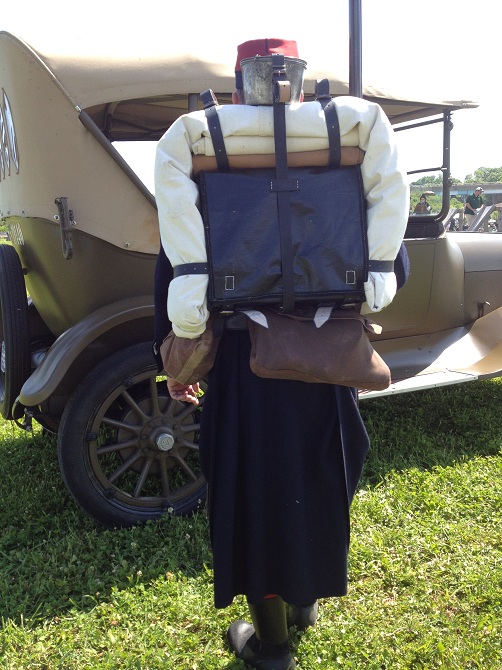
(53, 556)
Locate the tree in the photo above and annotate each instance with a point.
(428, 180)
(488, 175)
(483, 175)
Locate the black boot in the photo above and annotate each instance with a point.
(263, 645)
(302, 617)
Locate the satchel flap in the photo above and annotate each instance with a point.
(240, 214)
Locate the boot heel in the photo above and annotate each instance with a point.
(302, 617)
(243, 642)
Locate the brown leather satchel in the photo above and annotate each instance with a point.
(339, 352)
(190, 360)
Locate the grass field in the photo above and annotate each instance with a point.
(425, 565)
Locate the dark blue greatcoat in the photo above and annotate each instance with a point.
(282, 460)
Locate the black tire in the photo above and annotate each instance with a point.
(127, 452)
(15, 363)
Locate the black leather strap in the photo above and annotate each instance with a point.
(190, 269)
(208, 98)
(322, 93)
(333, 125)
(209, 101)
(236, 321)
(381, 266)
(283, 185)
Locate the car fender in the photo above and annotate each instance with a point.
(70, 344)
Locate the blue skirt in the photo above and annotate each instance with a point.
(282, 460)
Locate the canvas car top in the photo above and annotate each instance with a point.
(70, 100)
(94, 74)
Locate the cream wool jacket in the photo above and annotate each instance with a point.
(250, 130)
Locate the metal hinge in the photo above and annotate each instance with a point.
(66, 223)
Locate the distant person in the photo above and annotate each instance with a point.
(422, 206)
(472, 205)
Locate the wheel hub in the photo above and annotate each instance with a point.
(157, 437)
(165, 441)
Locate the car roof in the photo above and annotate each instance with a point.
(158, 77)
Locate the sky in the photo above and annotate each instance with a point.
(451, 47)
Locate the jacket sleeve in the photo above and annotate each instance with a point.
(386, 193)
(181, 230)
(384, 177)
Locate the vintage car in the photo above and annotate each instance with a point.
(76, 354)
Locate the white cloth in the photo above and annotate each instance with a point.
(250, 130)
(380, 290)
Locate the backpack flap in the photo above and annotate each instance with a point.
(328, 236)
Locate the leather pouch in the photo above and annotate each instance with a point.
(338, 352)
(190, 360)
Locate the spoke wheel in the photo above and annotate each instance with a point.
(127, 452)
(15, 365)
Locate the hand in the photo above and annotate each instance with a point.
(380, 290)
(183, 392)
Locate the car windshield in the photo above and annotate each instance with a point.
(421, 148)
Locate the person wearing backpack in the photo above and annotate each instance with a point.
(282, 458)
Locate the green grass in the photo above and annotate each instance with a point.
(425, 565)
